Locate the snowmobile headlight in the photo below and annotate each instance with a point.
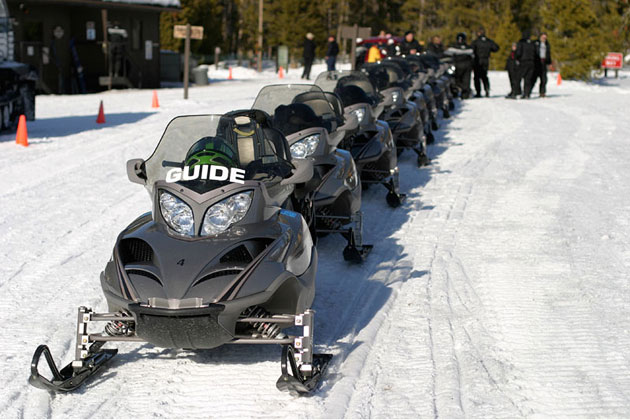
(360, 113)
(351, 178)
(177, 214)
(305, 147)
(395, 96)
(220, 216)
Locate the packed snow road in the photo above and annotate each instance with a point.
(499, 289)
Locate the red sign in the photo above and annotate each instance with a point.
(613, 61)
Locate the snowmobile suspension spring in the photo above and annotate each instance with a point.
(266, 329)
(117, 328)
(329, 222)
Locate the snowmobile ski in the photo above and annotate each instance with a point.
(294, 381)
(70, 377)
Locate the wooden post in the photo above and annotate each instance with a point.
(108, 56)
(260, 34)
(186, 60)
(353, 45)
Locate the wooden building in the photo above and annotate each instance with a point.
(80, 46)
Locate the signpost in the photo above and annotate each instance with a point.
(187, 33)
(613, 61)
(352, 33)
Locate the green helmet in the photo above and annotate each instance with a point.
(211, 151)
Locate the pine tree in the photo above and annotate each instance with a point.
(504, 34)
(575, 36)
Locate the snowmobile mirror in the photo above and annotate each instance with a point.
(302, 173)
(136, 171)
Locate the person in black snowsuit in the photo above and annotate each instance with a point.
(526, 57)
(435, 47)
(482, 48)
(512, 68)
(410, 45)
(309, 55)
(543, 54)
(462, 54)
(332, 50)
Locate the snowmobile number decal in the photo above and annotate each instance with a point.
(209, 172)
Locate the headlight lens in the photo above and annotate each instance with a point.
(225, 213)
(360, 113)
(395, 96)
(177, 214)
(351, 178)
(305, 147)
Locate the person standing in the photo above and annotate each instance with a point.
(410, 45)
(482, 48)
(309, 55)
(544, 59)
(462, 54)
(374, 54)
(332, 50)
(512, 68)
(435, 47)
(526, 57)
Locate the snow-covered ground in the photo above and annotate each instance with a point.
(499, 289)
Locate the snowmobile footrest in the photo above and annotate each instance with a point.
(295, 383)
(69, 378)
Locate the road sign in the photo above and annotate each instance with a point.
(613, 61)
(196, 32)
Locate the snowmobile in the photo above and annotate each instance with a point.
(401, 114)
(372, 144)
(314, 129)
(218, 260)
(439, 79)
(420, 92)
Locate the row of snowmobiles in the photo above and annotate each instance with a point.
(227, 255)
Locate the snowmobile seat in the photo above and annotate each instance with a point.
(320, 105)
(292, 118)
(351, 95)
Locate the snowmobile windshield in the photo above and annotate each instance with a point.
(297, 107)
(334, 81)
(205, 152)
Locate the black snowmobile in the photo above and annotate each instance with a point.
(372, 143)
(314, 128)
(439, 79)
(218, 260)
(402, 115)
(420, 92)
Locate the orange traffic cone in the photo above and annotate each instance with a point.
(22, 133)
(559, 81)
(281, 73)
(155, 103)
(101, 115)
(230, 73)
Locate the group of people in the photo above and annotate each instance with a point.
(527, 61)
(332, 50)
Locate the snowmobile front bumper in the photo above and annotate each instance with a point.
(307, 368)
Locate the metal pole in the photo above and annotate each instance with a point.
(260, 34)
(186, 60)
